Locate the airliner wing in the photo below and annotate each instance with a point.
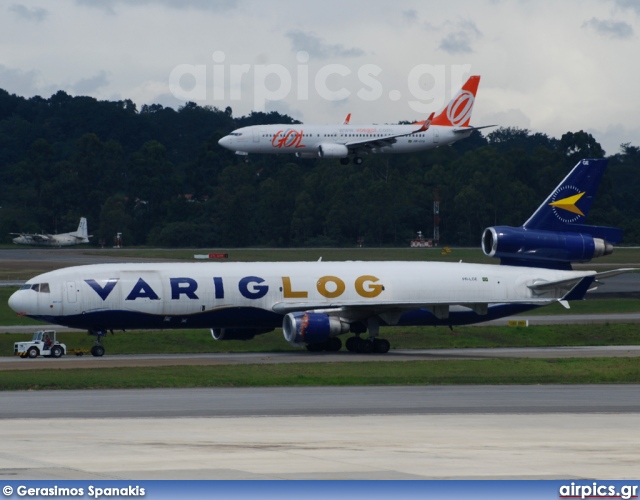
(380, 142)
(460, 130)
(41, 237)
(34, 237)
(571, 283)
(386, 307)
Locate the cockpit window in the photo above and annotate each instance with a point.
(37, 287)
(237, 134)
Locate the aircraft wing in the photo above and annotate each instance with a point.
(460, 130)
(287, 307)
(390, 312)
(571, 283)
(380, 142)
(34, 237)
(41, 237)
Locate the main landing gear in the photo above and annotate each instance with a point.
(356, 160)
(334, 344)
(371, 345)
(368, 346)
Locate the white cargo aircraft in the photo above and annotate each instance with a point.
(340, 141)
(80, 235)
(315, 302)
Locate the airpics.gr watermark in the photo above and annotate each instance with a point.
(224, 82)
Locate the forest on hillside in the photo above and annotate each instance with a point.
(158, 176)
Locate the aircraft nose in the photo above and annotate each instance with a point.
(225, 142)
(18, 301)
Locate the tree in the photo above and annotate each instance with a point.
(579, 145)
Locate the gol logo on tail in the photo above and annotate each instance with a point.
(459, 110)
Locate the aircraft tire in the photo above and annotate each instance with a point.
(97, 351)
(381, 346)
(357, 160)
(334, 344)
(365, 346)
(56, 351)
(32, 352)
(352, 344)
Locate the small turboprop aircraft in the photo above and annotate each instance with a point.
(316, 302)
(339, 141)
(80, 235)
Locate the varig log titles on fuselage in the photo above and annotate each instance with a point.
(317, 302)
(339, 141)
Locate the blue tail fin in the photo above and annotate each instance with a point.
(567, 207)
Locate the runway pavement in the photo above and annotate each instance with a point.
(483, 432)
(319, 401)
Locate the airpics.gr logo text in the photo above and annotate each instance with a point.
(423, 89)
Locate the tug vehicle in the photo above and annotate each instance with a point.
(43, 343)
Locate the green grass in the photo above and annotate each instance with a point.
(200, 341)
(498, 371)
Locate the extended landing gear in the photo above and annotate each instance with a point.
(371, 345)
(334, 344)
(357, 160)
(368, 346)
(98, 349)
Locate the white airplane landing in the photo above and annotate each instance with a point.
(80, 235)
(340, 141)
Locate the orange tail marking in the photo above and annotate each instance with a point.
(458, 112)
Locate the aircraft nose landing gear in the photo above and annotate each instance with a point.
(98, 349)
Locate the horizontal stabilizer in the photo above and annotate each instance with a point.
(611, 235)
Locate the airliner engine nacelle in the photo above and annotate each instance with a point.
(301, 328)
(333, 151)
(237, 333)
(526, 246)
